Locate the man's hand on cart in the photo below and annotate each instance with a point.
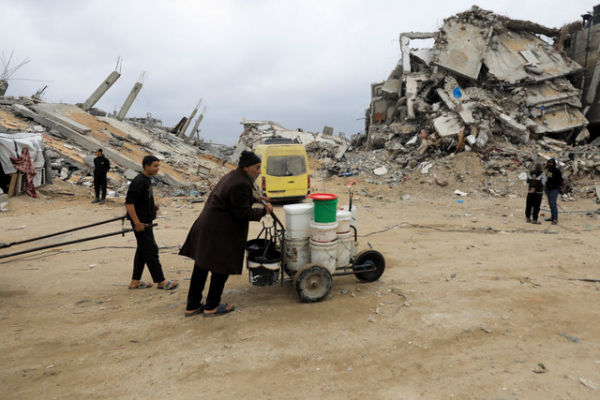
(266, 202)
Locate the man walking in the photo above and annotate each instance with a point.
(217, 239)
(141, 211)
(554, 182)
(101, 167)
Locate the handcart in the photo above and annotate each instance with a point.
(267, 265)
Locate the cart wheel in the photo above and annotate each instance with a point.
(372, 257)
(312, 283)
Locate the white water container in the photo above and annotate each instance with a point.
(324, 254)
(354, 212)
(323, 232)
(297, 253)
(297, 220)
(344, 218)
(345, 248)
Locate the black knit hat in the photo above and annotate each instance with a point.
(248, 158)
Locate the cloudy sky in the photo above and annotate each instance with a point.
(304, 64)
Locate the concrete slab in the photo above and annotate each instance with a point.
(560, 119)
(462, 49)
(448, 124)
(552, 92)
(47, 110)
(505, 59)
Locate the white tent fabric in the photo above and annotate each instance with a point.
(11, 143)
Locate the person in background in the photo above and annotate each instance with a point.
(217, 239)
(141, 211)
(536, 180)
(554, 182)
(101, 167)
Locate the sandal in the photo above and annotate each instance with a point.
(191, 313)
(220, 310)
(142, 285)
(170, 285)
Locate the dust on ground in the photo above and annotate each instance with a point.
(474, 304)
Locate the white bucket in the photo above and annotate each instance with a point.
(297, 253)
(297, 220)
(323, 232)
(324, 254)
(353, 212)
(345, 248)
(343, 219)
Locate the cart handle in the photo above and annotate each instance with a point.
(5, 245)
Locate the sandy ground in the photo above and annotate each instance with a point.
(474, 304)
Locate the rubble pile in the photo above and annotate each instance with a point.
(72, 135)
(318, 145)
(489, 85)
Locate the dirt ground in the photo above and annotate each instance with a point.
(474, 304)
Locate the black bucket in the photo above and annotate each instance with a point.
(263, 266)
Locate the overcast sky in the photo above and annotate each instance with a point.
(304, 64)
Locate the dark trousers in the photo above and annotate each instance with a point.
(217, 283)
(552, 197)
(532, 205)
(100, 186)
(146, 254)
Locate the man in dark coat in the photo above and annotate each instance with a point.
(101, 167)
(217, 239)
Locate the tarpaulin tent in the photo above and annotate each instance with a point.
(12, 146)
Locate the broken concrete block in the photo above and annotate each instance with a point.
(471, 140)
(447, 125)
(380, 171)
(391, 86)
(130, 174)
(462, 48)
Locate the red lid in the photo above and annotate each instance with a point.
(322, 196)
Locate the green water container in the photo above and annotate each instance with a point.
(325, 207)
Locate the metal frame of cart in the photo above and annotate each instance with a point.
(312, 281)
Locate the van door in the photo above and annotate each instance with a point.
(286, 175)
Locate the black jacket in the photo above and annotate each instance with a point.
(101, 166)
(217, 239)
(554, 178)
(536, 180)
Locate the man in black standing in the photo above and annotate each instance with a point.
(554, 182)
(141, 211)
(101, 167)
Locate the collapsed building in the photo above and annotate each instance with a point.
(67, 136)
(485, 74)
(491, 85)
(320, 145)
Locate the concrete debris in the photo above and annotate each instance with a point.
(319, 145)
(380, 171)
(71, 135)
(489, 75)
(489, 86)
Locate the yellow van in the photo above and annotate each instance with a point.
(284, 171)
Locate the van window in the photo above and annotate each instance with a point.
(286, 165)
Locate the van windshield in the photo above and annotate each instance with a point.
(286, 165)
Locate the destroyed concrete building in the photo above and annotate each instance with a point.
(69, 135)
(490, 85)
(485, 75)
(319, 145)
(581, 42)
